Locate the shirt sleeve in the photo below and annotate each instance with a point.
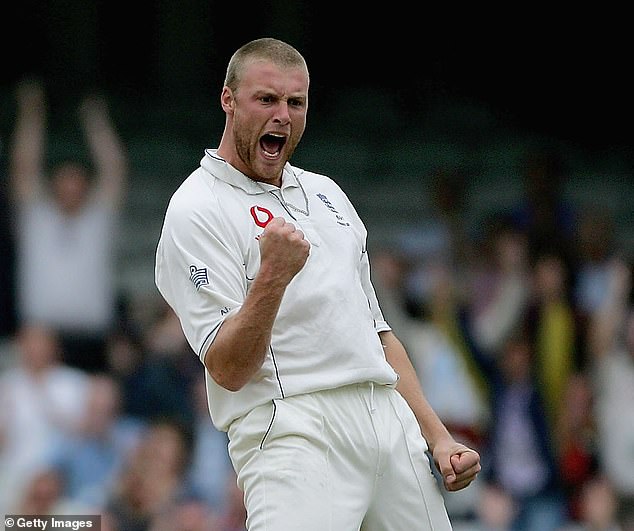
(199, 271)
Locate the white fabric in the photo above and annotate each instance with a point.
(36, 413)
(615, 417)
(441, 368)
(342, 459)
(65, 267)
(325, 334)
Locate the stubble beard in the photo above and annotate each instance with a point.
(257, 169)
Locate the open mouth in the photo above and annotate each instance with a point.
(272, 144)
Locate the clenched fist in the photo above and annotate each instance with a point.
(283, 248)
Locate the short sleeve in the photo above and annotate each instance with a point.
(199, 271)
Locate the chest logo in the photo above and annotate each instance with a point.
(198, 276)
(261, 215)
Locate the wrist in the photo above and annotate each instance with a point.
(439, 438)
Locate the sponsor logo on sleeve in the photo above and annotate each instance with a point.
(198, 276)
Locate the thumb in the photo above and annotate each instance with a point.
(446, 469)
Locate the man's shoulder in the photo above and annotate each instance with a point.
(204, 200)
(315, 181)
(192, 185)
(196, 190)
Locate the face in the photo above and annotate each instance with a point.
(38, 348)
(550, 277)
(515, 362)
(266, 118)
(70, 187)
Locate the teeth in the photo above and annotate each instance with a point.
(272, 154)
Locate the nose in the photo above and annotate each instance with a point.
(282, 116)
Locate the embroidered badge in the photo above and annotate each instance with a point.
(198, 276)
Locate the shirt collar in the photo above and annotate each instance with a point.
(224, 171)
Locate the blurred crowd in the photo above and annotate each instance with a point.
(522, 333)
(521, 330)
(102, 405)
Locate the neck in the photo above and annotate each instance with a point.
(233, 159)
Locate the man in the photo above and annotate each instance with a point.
(66, 228)
(265, 265)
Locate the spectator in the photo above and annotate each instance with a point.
(65, 235)
(598, 508)
(234, 514)
(500, 285)
(153, 481)
(190, 514)
(521, 459)
(126, 360)
(495, 511)
(576, 440)
(611, 341)
(91, 458)
(440, 232)
(444, 357)
(41, 402)
(442, 353)
(595, 248)
(169, 364)
(148, 358)
(44, 495)
(551, 323)
(211, 467)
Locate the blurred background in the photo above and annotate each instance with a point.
(489, 154)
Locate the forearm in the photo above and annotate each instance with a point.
(105, 146)
(240, 346)
(27, 148)
(430, 424)
(492, 325)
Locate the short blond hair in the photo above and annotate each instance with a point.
(267, 48)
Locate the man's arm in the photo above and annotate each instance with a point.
(240, 346)
(106, 148)
(26, 163)
(457, 463)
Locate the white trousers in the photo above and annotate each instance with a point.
(345, 459)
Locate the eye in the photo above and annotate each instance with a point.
(296, 102)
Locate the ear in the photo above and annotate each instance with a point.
(227, 100)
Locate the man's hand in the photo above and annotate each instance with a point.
(458, 464)
(284, 249)
(244, 338)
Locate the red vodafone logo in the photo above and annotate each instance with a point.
(261, 215)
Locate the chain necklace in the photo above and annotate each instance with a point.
(286, 204)
(279, 197)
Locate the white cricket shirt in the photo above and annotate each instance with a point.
(326, 331)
